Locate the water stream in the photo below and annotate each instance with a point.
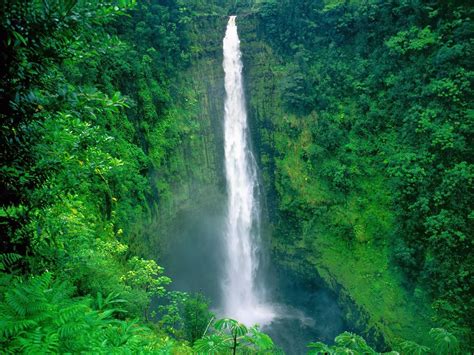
(242, 298)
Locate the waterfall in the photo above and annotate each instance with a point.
(242, 299)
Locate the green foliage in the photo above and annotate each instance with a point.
(346, 343)
(212, 344)
(349, 343)
(147, 275)
(410, 347)
(370, 155)
(77, 182)
(7, 260)
(185, 316)
(353, 342)
(196, 317)
(40, 315)
(444, 341)
(230, 336)
(414, 39)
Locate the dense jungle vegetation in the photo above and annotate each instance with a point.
(362, 123)
(374, 152)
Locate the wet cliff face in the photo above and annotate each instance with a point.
(184, 234)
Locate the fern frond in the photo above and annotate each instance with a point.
(42, 282)
(39, 342)
(10, 328)
(71, 313)
(18, 300)
(8, 259)
(60, 291)
(71, 329)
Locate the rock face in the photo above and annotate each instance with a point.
(184, 233)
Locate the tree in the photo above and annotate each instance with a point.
(146, 275)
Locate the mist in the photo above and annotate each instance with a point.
(194, 255)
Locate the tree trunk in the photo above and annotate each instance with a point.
(234, 348)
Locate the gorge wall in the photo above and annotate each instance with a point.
(317, 235)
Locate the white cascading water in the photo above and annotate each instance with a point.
(242, 301)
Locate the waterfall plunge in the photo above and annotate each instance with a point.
(242, 300)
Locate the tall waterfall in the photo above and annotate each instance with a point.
(242, 299)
